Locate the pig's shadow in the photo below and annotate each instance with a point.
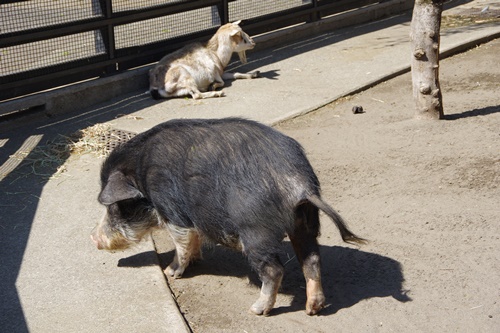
(349, 275)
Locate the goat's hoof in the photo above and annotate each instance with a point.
(255, 74)
(221, 94)
(155, 94)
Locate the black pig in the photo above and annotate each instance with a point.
(229, 181)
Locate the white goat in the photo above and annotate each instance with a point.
(195, 68)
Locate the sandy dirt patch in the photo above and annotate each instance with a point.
(425, 193)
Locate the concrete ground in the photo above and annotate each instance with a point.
(53, 278)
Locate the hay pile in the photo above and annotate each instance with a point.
(98, 140)
(91, 140)
(49, 160)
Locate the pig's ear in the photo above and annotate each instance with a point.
(117, 189)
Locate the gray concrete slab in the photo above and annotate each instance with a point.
(54, 280)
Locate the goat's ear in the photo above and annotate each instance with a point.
(234, 32)
(118, 188)
(237, 22)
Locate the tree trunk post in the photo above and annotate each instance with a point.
(424, 36)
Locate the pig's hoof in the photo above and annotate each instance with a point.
(315, 304)
(176, 272)
(261, 308)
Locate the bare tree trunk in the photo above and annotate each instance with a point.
(424, 35)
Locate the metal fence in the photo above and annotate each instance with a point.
(50, 43)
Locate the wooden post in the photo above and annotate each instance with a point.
(424, 35)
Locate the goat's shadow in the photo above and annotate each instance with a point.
(348, 275)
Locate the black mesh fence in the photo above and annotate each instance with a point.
(42, 54)
(47, 43)
(126, 5)
(25, 15)
(15, 18)
(166, 27)
(248, 9)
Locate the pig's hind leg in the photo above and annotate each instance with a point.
(187, 248)
(307, 250)
(270, 271)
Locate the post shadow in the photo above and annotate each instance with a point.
(473, 113)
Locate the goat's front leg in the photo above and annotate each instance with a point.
(218, 83)
(196, 94)
(210, 94)
(236, 76)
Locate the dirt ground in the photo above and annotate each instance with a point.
(425, 193)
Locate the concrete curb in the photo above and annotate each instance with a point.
(176, 321)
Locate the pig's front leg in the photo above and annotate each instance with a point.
(187, 248)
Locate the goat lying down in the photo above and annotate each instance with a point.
(197, 68)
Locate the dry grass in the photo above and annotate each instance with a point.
(453, 21)
(470, 16)
(90, 140)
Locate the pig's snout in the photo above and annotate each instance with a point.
(115, 241)
(96, 242)
(97, 239)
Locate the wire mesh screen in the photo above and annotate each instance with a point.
(247, 9)
(124, 5)
(45, 53)
(166, 27)
(27, 15)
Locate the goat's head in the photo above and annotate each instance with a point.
(240, 40)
